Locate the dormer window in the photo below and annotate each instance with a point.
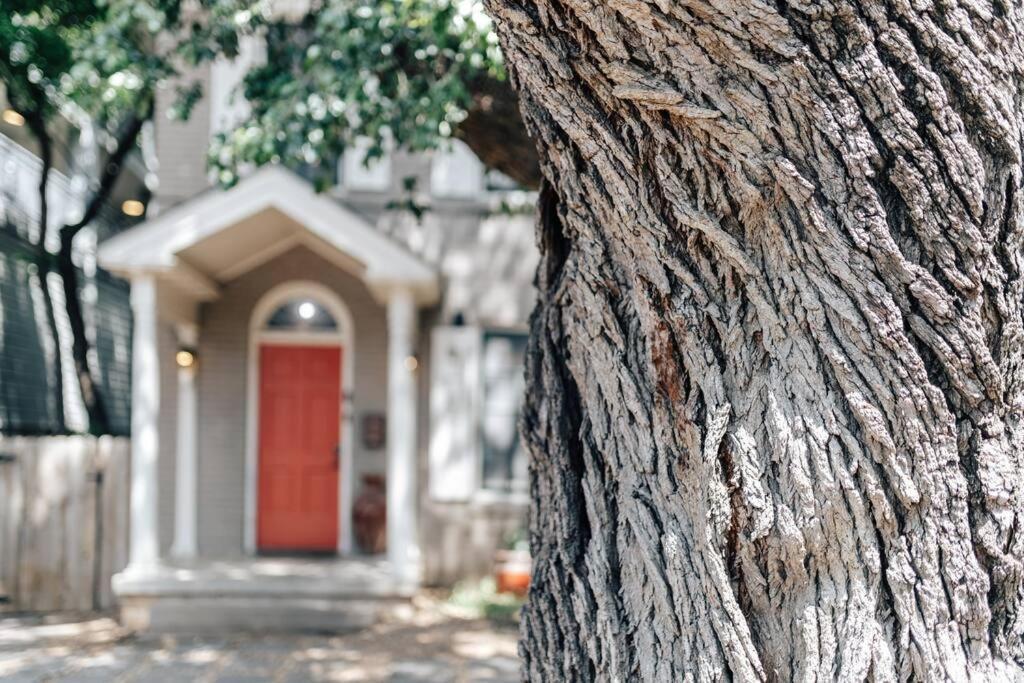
(361, 177)
(456, 173)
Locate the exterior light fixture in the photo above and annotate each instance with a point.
(411, 363)
(185, 358)
(133, 208)
(12, 117)
(307, 310)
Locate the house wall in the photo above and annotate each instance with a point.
(221, 388)
(457, 539)
(181, 145)
(487, 262)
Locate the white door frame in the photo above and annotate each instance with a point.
(344, 338)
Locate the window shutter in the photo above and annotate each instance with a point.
(454, 412)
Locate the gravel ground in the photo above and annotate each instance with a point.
(422, 644)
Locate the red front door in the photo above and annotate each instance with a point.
(300, 406)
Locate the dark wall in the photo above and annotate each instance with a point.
(29, 395)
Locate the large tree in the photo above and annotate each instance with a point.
(776, 371)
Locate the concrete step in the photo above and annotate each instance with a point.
(219, 615)
(258, 595)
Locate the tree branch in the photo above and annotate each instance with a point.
(38, 127)
(495, 131)
(111, 171)
(99, 417)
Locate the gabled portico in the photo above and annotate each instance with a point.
(185, 267)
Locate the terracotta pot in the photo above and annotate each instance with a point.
(512, 571)
(370, 514)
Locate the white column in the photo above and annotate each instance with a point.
(185, 501)
(143, 548)
(403, 546)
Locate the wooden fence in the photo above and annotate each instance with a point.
(63, 521)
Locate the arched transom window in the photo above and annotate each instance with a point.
(301, 314)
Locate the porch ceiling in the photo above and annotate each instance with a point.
(219, 235)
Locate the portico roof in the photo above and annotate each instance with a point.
(219, 235)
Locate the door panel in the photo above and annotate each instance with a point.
(300, 406)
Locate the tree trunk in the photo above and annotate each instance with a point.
(776, 370)
(92, 395)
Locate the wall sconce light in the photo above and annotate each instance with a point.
(411, 363)
(12, 117)
(185, 358)
(133, 208)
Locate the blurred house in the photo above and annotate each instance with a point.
(290, 351)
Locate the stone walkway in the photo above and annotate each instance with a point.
(421, 646)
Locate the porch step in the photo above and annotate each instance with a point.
(224, 615)
(259, 595)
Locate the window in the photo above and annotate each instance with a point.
(503, 455)
(358, 176)
(301, 314)
(228, 106)
(456, 172)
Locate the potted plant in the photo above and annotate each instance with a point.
(369, 515)
(512, 564)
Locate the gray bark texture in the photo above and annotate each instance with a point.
(775, 378)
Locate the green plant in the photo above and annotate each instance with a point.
(480, 599)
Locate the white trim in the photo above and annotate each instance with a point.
(344, 338)
(143, 540)
(298, 337)
(185, 483)
(402, 490)
(157, 243)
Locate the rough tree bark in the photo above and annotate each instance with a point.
(776, 369)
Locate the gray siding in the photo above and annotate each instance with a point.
(181, 145)
(167, 426)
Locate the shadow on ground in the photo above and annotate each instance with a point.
(420, 644)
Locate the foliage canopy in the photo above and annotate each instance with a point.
(383, 73)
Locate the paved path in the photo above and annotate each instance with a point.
(420, 647)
